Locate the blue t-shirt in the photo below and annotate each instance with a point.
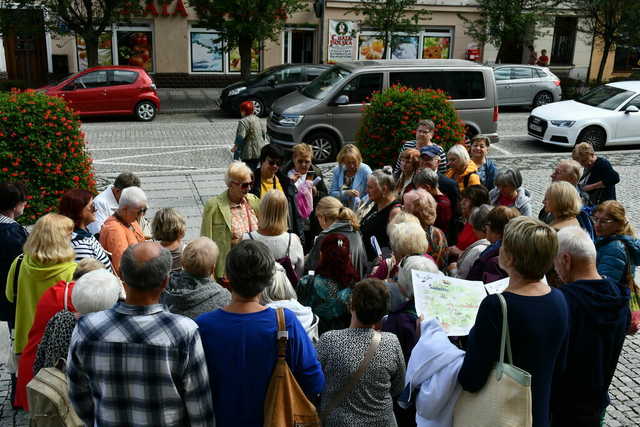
(538, 327)
(241, 353)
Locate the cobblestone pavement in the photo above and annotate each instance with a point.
(181, 164)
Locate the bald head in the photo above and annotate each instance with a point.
(200, 256)
(145, 266)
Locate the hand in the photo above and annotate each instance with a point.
(353, 193)
(234, 148)
(295, 177)
(314, 191)
(454, 250)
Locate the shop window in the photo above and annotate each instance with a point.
(135, 48)
(405, 47)
(564, 40)
(206, 52)
(627, 58)
(234, 59)
(434, 47)
(370, 47)
(105, 53)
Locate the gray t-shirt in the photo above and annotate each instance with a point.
(278, 247)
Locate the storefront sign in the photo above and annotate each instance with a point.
(341, 41)
(151, 9)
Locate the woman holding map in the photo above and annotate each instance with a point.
(537, 316)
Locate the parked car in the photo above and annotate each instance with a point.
(106, 90)
(268, 86)
(526, 85)
(326, 114)
(606, 115)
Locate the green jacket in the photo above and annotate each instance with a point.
(216, 225)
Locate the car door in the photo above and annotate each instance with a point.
(503, 85)
(522, 85)
(87, 93)
(122, 92)
(628, 124)
(346, 118)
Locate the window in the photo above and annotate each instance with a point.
(288, 75)
(627, 58)
(605, 96)
(313, 72)
(457, 84)
(206, 52)
(121, 77)
(233, 59)
(564, 40)
(360, 88)
(370, 47)
(436, 47)
(322, 86)
(521, 73)
(92, 80)
(299, 45)
(503, 74)
(104, 51)
(135, 48)
(404, 47)
(540, 73)
(635, 102)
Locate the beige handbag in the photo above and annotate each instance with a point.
(505, 400)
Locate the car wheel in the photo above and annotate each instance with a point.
(542, 98)
(145, 111)
(324, 146)
(258, 107)
(594, 135)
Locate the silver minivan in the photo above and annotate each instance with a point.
(326, 113)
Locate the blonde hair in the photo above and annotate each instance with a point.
(274, 212)
(616, 211)
(460, 152)
(302, 150)
(235, 171)
(333, 210)
(564, 199)
(168, 225)
(582, 151)
(50, 240)
(412, 156)
(200, 256)
(532, 245)
(349, 150)
(423, 206)
(85, 265)
(407, 238)
(280, 290)
(573, 167)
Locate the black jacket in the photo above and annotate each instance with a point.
(450, 188)
(601, 171)
(12, 236)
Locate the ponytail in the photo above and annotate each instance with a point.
(346, 214)
(333, 210)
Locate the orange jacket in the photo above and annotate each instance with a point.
(115, 237)
(471, 171)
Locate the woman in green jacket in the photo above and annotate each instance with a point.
(229, 215)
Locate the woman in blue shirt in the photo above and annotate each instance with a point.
(239, 341)
(538, 317)
(349, 182)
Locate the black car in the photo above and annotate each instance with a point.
(266, 87)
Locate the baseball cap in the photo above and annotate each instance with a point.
(430, 151)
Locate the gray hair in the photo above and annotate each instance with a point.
(425, 177)
(408, 238)
(249, 282)
(576, 242)
(415, 262)
(132, 196)
(384, 178)
(478, 217)
(235, 170)
(126, 180)
(145, 275)
(281, 290)
(95, 291)
(510, 177)
(460, 152)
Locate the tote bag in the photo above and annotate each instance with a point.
(505, 400)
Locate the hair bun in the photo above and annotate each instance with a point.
(387, 169)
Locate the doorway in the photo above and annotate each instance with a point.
(299, 46)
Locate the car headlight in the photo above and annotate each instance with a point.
(563, 123)
(234, 92)
(290, 120)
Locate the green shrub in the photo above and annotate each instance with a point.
(41, 145)
(392, 118)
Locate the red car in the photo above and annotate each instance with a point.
(109, 89)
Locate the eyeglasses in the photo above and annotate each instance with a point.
(597, 220)
(273, 162)
(243, 185)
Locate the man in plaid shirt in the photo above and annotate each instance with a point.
(137, 364)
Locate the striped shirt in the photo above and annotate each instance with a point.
(86, 246)
(442, 167)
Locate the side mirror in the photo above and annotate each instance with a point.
(631, 109)
(341, 100)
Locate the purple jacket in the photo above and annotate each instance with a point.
(486, 267)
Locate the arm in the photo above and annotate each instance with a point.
(79, 389)
(298, 252)
(206, 227)
(526, 209)
(397, 379)
(196, 386)
(335, 191)
(116, 243)
(612, 261)
(102, 212)
(474, 179)
(302, 358)
(10, 278)
(101, 255)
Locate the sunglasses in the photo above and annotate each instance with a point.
(244, 185)
(274, 162)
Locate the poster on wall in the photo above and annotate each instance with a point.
(136, 48)
(206, 52)
(435, 47)
(370, 47)
(404, 47)
(341, 41)
(234, 59)
(104, 51)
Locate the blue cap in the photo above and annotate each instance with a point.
(430, 151)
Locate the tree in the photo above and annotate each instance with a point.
(390, 16)
(611, 22)
(242, 23)
(509, 24)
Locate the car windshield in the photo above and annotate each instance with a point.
(607, 97)
(267, 72)
(322, 85)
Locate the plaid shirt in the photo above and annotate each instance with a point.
(139, 366)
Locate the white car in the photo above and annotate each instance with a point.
(606, 115)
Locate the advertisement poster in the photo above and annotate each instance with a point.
(234, 59)
(206, 52)
(370, 47)
(341, 41)
(104, 51)
(136, 48)
(404, 47)
(435, 47)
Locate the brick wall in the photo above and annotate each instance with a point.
(184, 80)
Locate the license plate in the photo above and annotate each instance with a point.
(535, 128)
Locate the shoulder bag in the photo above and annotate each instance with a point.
(505, 399)
(285, 404)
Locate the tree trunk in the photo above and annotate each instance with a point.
(244, 46)
(386, 45)
(603, 60)
(91, 42)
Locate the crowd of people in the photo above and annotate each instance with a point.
(157, 331)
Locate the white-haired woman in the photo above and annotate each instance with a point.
(461, 169)
(231, 213)
(95, 291)
(510, 192)
(122, 229)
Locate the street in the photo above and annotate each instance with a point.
(181, 160)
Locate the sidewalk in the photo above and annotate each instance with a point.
(188, 100)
